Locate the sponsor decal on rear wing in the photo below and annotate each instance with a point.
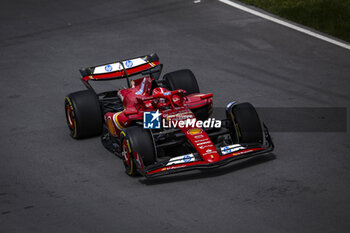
(120, 69)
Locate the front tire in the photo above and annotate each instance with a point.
(83, 114)
(246, 123)
(137, 149)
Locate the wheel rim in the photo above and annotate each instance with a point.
(70, 117)
(127, 160)
(126, 154)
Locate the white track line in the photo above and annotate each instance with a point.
(286, 24)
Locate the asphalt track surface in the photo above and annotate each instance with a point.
(52, 183)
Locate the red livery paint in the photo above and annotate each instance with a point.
(180, 143)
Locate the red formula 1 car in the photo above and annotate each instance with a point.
(154, 124)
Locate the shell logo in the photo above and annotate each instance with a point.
(194, 131)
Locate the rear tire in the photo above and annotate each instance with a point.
(134, 140)
(247, 123)
(83, 114)
(182, 79)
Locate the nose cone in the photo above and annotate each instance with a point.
(211, 157)
(202, 144)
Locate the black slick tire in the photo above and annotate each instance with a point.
(134, 140)
(182, 79)
(83, 114)
(247, 123)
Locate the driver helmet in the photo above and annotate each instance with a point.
(160, 102)
(159, 90)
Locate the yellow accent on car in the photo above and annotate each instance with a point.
(127, 141)
(194, 131)
(130, 157)
(111, 127)
(120, 127)
(131, 167)
(238, 130)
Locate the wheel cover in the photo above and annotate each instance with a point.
(126, 153)
(72, 124)
(70, 117)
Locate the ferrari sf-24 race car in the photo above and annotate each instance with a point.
(132, 121)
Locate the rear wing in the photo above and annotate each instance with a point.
(120, 69)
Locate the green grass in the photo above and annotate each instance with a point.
(329, 16)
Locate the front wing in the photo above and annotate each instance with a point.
(194, 161)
